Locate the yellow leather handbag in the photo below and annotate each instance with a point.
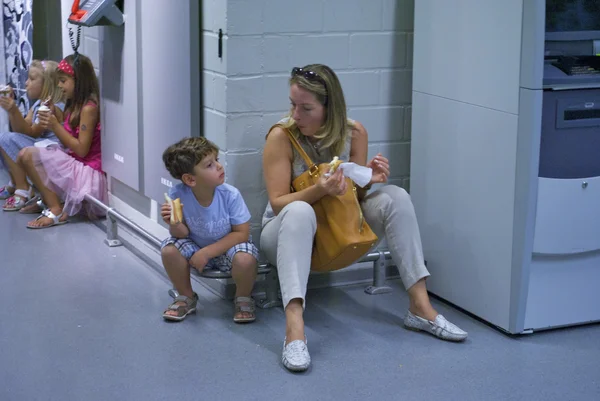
(343, 236)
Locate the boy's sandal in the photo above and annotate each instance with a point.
(33, 206)
(55, 220)
(6, 192)
(182, 306)
(244, 305)
(18, 200)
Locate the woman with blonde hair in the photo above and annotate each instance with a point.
(42, 87)
(318, 121)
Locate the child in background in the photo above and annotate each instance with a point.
(77, 171)
(214, 233)
(41, 85)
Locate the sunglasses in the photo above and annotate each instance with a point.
(310, 75)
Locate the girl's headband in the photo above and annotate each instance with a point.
(66, 68)
(44, 64)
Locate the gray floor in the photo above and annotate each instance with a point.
(81, 321)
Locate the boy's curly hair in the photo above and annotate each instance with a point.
(181, 157)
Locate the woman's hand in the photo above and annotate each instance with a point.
(381, 169)
(7, 102)
(333, 185)
(47, 118)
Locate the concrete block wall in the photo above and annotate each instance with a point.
(367, 42)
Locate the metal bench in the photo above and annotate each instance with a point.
(272, 298)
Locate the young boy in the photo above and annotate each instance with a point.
(214, 233)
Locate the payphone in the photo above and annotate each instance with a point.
(96, 12)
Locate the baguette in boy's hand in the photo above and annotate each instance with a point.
(176, 211)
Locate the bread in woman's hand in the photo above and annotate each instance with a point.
(334, 164)
(176, 211)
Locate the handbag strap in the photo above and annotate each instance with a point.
(299, 148)
(312, 167)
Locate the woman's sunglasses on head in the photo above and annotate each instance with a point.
(308, 74)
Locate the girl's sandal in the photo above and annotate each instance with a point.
(54, 220)
(6, 192)
(34, 206)
(18, 200)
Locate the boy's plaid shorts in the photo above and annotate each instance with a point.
(188, 248)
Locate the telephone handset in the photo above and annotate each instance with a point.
(76, 12)
(95, 12)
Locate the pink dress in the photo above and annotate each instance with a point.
(72, 177)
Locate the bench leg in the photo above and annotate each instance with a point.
(112, 236)
(271, 299)
(378, 286)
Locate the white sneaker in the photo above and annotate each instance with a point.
(295, 356)
(440, 327)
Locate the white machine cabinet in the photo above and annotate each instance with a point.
(505, 164)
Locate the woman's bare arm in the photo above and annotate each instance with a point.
(359, 151)
(277, 168)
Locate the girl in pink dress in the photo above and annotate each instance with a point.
(70, 174)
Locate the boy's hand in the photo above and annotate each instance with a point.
(165, 212)
(199, 260)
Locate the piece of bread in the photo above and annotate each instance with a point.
(176, 211)
(334, 164)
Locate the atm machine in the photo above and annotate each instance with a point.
(566, 245)
(505, 164)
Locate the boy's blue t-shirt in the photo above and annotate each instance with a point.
(209, 224)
